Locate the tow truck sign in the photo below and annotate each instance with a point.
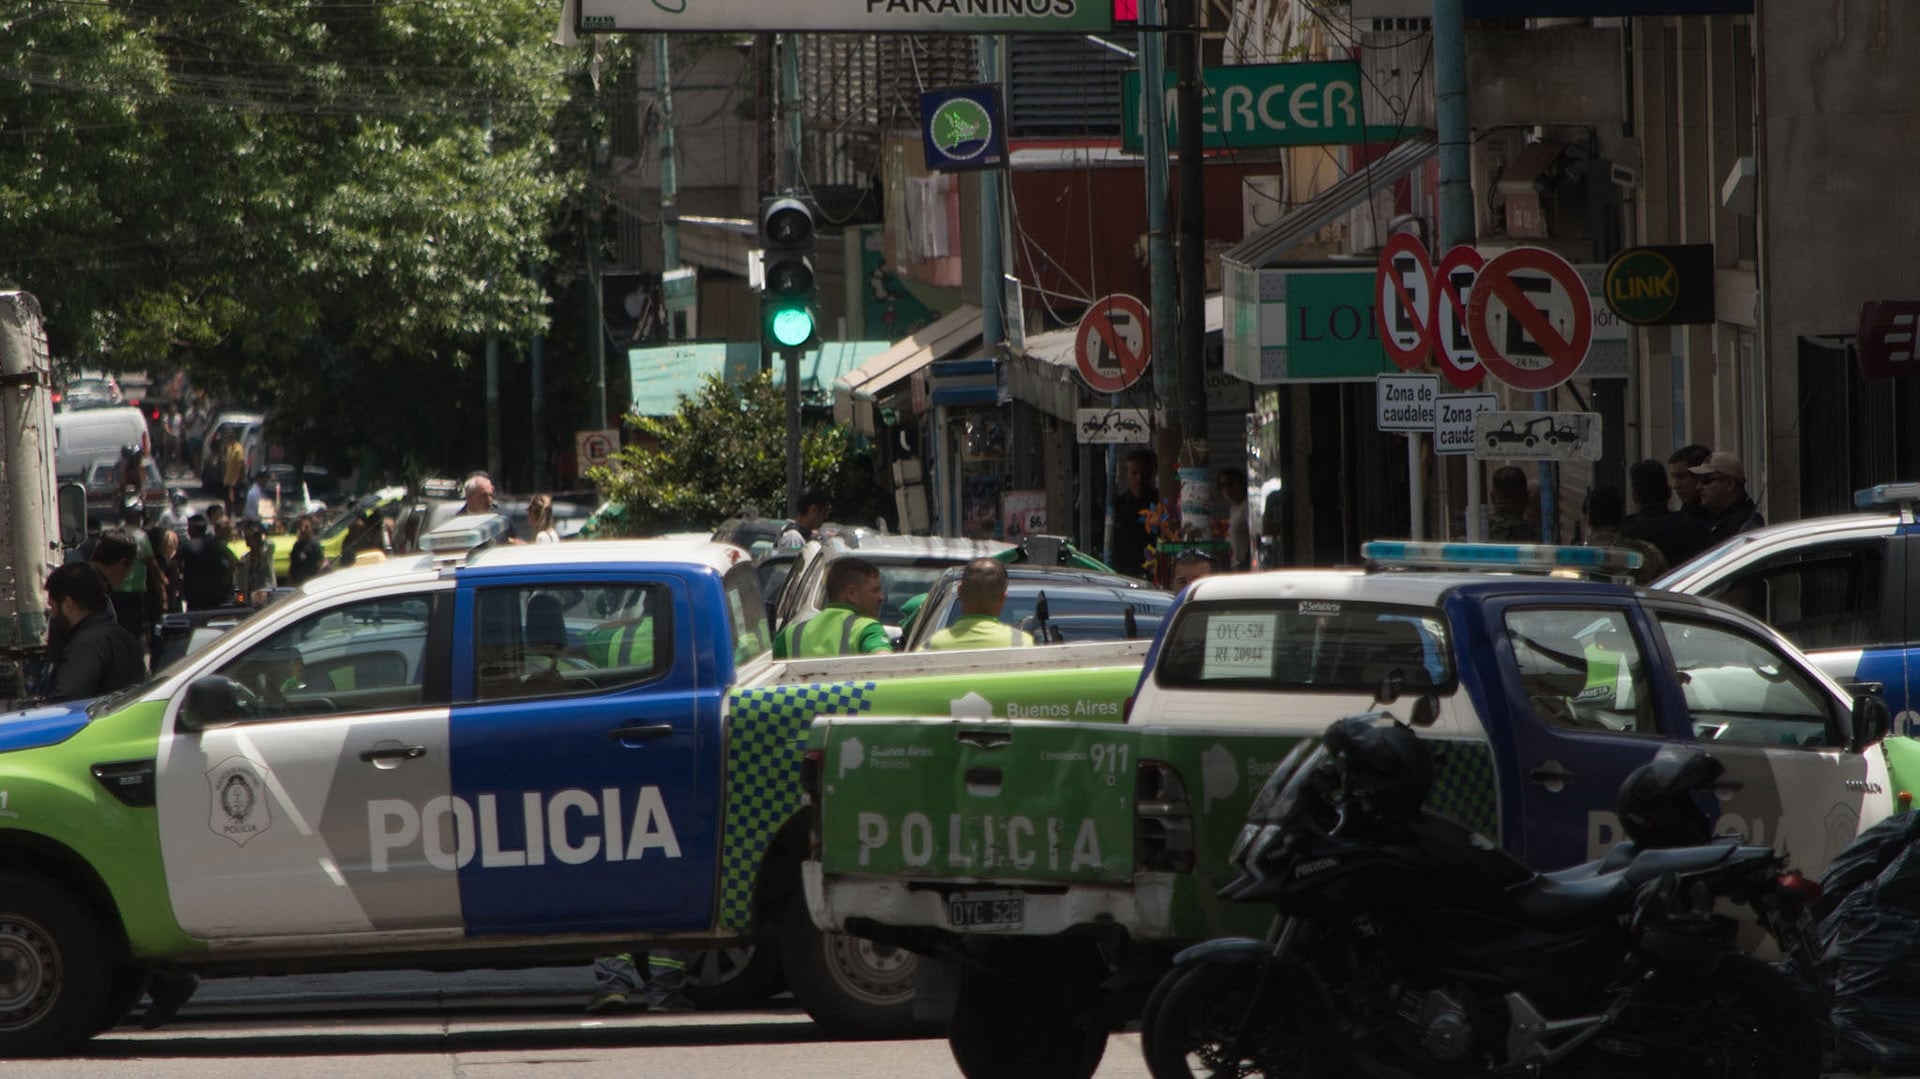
(1536, 436)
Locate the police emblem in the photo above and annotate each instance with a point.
(239, 808)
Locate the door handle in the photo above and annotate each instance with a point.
(1551, 776)
(639, 731)
(394, 753)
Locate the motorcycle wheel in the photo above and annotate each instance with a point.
(1199, 1015)
(1744, 1019)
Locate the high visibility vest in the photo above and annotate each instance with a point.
(621, 644)
(831, 632)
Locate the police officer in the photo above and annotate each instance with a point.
(983, 595)
(850, 621)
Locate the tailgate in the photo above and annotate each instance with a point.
(977, 799)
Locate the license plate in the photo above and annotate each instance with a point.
(986, 910)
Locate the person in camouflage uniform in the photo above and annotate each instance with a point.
(1508, 522)
(1606, 507)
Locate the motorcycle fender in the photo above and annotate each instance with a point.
(1228, 951)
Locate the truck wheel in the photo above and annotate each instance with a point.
(1037, 1027)
(53, 969)
(734, 977)
(125, 984)
(851, 986)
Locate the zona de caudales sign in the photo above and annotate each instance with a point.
(1305, 104)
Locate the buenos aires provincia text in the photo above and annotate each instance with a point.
(1032, 8)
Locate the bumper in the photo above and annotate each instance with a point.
(1142, 908)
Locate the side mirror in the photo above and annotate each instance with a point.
(72, 498)
(1871, 721)
(212, 701)
(1426, 710)
(1390, 687)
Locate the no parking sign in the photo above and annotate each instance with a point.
(1530, 318)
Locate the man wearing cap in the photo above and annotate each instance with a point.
(1723, 493)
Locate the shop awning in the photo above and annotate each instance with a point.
(856, 393)
(663, 374)
(1266, 247)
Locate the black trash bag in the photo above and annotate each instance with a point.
(1864, 858)
(1873, 949)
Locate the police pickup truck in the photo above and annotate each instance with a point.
(1052, 867)
(526, 756)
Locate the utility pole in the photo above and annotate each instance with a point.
(790, 184)
(596, 320)
(669, 168)
(1193, 239)
(493, 366)
(1456, 182)
(1160, 265)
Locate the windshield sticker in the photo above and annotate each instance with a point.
(1240, 646)
(1318, 606)
(239, 796)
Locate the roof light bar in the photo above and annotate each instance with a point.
(463, 533)
(1515, 556)
(1886, 494)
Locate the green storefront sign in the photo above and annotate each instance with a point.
(1302, 325)
(1307, 104)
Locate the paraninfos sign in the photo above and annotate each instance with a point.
(850, 16)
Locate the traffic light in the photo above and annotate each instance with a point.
(788, 311)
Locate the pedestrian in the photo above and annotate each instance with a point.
(174, 517)
(850, 621)
(306, 559)
(1605, 511)
(1131, 501)
(133, 606)
(1723, 494)
(983, 596)
(256, 566)
(235, 471)
(540, 519)
(617, 982)
(1232, 483)
(477, 489)
(175, 444)
(813, 508)
(367, 535)
(204, 572)
(1679, 535)
(92, 655)
(256, 494)
(1686, 485)
(1189, 567)
(1507, 491)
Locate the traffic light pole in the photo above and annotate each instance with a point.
(790, 182)
(791, 359)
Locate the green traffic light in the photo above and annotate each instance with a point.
(791, 327)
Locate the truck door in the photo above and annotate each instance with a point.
(1781, 734)
(588, 749)
(318, 811)
(1575, 683)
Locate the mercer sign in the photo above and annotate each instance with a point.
(1311, 104)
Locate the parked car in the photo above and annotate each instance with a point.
(1080, 606)
(1840, 587)
(82, 437)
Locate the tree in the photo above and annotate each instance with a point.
(722, 453)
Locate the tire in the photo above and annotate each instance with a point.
(1151, 1009)
(1201, 1010)
(851, 986)
(1530, 440)
(1743, 1019)
(734, 977)
(54, 973)
(1493, 442)
(1041, 1024)
(125, 984)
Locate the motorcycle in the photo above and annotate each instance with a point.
(1405, 944)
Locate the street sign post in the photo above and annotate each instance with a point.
(1536, 436)
(596, 448)
(1112, 425)
(1453, 421)
(1530, 318)
(1405, 402)
(1453, 354)
(1113, 344)
(1403, 300)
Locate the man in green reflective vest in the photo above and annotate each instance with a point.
(848, 624)
(983, 595)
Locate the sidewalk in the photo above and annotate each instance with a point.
(558, 987)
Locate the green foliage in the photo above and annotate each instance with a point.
(309, 207)
(723, 451)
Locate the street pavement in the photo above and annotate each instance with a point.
(485, 1024)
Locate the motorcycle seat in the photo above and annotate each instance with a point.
(1554, 903)
(1616, 858)
(1652, 864)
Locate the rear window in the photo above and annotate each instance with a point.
(1313, 645)
(747, 614)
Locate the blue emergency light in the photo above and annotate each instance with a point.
(1883, 495)
(1538, 557)
(464, 533)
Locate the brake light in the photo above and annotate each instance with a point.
(1126, 709)
(1905, 798)
(1805, 890)
(810, 762)
(1163, 819)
